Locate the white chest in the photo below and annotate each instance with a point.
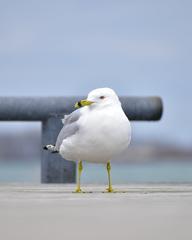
(107, 128)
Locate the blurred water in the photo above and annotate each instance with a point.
(19, 171)
(152, 172)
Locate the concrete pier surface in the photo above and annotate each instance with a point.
(35, 212)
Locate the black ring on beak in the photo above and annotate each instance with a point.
(79, 104)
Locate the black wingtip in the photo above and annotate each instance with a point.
(46, 148)
(55, 152)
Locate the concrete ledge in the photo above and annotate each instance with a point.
(136, 212)
(66, 192)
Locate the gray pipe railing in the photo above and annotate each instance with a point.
(49, 110)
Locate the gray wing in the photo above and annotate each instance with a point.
(70, 127)
(73, 117)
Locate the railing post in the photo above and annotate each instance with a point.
(54, 169)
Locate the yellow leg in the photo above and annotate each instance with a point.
(80, 169)
(109, 189)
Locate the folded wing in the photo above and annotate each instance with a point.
(70, 127)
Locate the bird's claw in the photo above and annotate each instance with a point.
(78, 190)
(110, 190)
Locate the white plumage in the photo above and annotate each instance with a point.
(97, 132)
(103, 130)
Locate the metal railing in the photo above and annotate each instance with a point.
(50, 110)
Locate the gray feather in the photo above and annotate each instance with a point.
(70, 127)
(73, 117)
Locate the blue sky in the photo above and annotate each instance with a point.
(51, 48)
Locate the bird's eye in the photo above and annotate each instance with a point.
(102, 97)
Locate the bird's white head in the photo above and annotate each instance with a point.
(99, 97)
(103, 97)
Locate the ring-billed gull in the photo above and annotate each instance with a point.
(96, 132)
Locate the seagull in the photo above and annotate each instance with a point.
(97, 131)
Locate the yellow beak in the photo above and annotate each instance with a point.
(83, 103)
